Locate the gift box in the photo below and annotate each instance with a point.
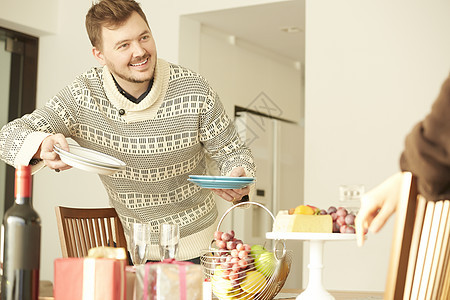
(89, 279)
(169, 280)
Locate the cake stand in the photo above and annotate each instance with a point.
(315, 289)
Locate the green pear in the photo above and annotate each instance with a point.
(266, 263)
(257, 250)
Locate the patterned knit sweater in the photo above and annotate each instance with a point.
(163, 139)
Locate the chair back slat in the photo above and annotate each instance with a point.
(71, 245)
(110, 233)
(91, 234)
(103, 230)
(419, 265)
(98, 236)
(83, 228)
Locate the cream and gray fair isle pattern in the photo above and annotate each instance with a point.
(162, 140)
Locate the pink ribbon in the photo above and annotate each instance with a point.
(181, 273)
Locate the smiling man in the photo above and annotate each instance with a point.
(161, 119)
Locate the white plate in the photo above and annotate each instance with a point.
(90, 160)
(311, 236)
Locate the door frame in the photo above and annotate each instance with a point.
(22, 89)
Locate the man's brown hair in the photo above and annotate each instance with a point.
(109, 13)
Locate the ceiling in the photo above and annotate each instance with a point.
(261, 25)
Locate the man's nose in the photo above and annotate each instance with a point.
(138, 50)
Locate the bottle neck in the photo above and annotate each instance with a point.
(23, 185)
(23, 200)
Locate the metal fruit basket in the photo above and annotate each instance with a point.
(256, 280)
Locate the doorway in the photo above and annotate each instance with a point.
(18, 79)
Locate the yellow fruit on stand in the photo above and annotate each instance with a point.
(221, 286)
(243, 296)
(254, 282)
(304, 210)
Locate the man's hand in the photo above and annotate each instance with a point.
(377, 206)
(49, 156)
(237, 194)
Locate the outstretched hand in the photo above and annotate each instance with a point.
(49, 156)
(377, 206)
(235, 194)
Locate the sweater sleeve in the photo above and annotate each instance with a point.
(427, 149)
(21, 138)
(221, 140)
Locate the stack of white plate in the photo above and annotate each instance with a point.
(89, 160)
(221, 182)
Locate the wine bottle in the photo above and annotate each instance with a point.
(21, 243)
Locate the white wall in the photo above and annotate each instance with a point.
(27, 16)
(373, 68)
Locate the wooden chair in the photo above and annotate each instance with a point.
(419, 263)
(83, 228)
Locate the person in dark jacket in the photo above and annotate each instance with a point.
(426, 155)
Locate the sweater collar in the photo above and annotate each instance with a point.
(122, 102)
(131, 97)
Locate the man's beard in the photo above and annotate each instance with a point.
(132, 79)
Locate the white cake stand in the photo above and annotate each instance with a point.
(315, 289)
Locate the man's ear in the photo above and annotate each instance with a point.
(98, 56)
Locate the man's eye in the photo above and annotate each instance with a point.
(122, 46)
(145, 37)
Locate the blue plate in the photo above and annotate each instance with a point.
(219, 185)
(222, 178)
(235, 182)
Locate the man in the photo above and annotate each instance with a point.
(157, 117)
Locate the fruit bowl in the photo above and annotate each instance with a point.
(243, 272)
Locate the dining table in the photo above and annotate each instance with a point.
(46, 293)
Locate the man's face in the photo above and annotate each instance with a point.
(129, 51)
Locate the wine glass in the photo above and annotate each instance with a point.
(139, 242)
(169, 237)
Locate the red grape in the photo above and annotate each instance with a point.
(335, 227)
(225, 265)
(235, 268)
(341, 212)
(340, 220)
(243, 263)
(231, 245)
(234, 260)
(334, 216)
(350, 219)
(234, 253)
(343, 228)
(226, 237)
(243, 254)
(331, 210)
(218, 235)
(350, 229)
(233, 275)
(221, 244)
